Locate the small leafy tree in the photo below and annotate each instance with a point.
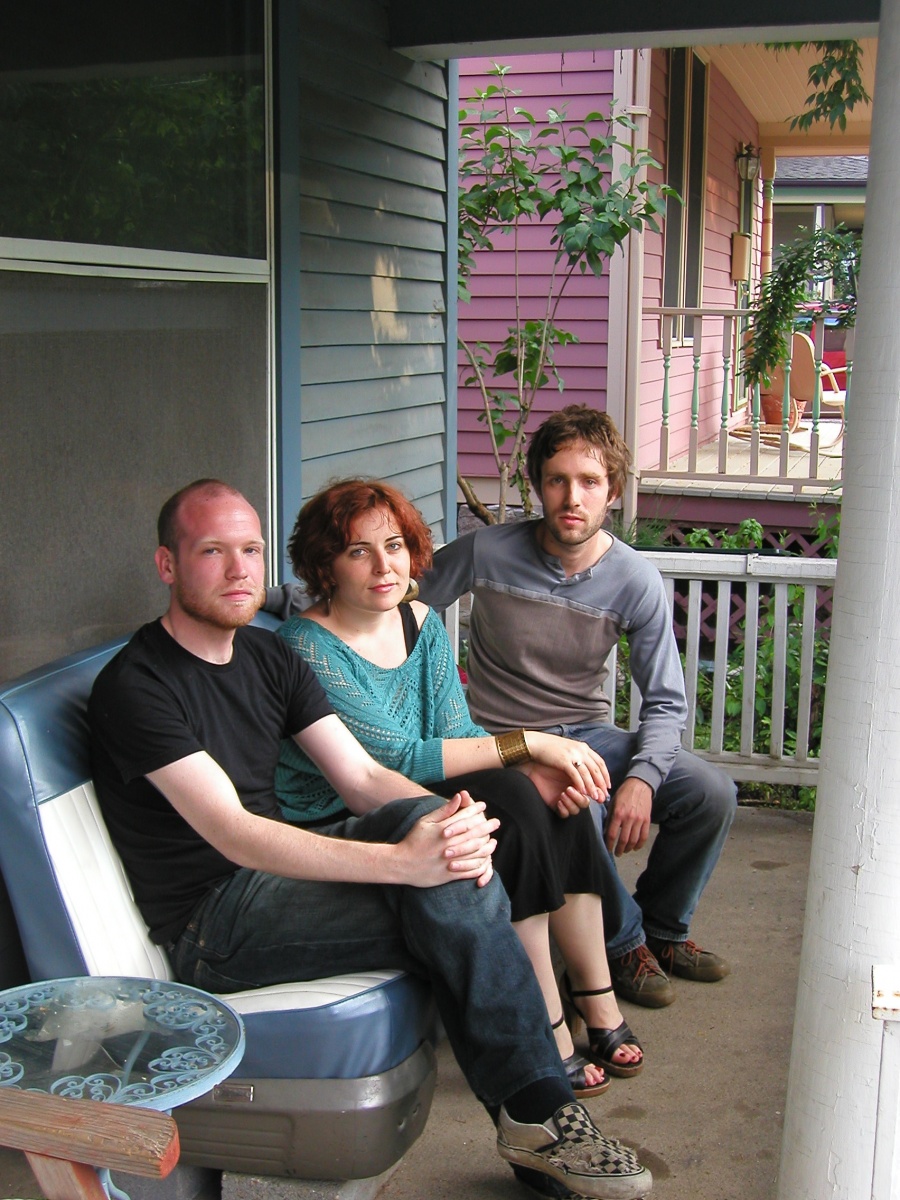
(515, 171)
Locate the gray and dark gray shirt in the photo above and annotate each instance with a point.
(539, 641)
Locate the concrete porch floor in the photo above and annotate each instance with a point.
(705, 1115)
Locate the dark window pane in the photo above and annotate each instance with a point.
(693, 257)
(748, 194)
(675, 174)
(113, 394)
(142, 126)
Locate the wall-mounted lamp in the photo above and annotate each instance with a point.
(747, 162)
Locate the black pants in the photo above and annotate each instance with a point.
(540, 856)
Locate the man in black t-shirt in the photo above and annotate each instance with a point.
(185, 725)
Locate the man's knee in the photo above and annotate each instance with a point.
(466, 910)
(699, 787)
(393, 821)
(720, 802)
(720, 790)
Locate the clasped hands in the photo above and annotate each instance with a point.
(454, 842)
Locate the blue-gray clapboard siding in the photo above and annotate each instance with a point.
(373, 218)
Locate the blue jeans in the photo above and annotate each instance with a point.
(693, 807)
(255, 929)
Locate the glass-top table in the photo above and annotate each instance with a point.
(121, 1040)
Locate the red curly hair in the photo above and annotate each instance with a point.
(323, 526)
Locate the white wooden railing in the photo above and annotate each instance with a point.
(728, 603)
(886, 1008)
(783, 600)
(720, 403)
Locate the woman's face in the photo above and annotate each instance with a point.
(372, 573)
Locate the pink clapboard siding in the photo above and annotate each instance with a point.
(582, 82)
(729, 123)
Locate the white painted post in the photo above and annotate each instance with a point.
(640, 114)
(829, 1145)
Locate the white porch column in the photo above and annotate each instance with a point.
(639, 111)
(853, 903)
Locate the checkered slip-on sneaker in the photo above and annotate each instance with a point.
(543, 1185)
(570, 1148)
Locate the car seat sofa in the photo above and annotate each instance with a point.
(338, 1074)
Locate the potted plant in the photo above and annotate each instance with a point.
(791, 294)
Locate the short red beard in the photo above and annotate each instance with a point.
(209, 613)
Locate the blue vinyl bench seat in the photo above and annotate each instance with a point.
(338, 1074)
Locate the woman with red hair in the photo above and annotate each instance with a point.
(385, 662)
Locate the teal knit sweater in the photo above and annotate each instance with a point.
(401, 715)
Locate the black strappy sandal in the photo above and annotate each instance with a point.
(575, 1066)
(603, 1042)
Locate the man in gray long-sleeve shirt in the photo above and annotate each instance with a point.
(550, 599)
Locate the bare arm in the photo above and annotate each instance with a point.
(575, 764)
(454, 842)
(365, 784)
(361, 782)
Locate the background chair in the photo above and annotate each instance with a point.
(803, 378)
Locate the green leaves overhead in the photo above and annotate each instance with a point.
(836, 80)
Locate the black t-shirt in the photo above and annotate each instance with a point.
(156, 703)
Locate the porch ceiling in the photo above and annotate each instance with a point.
(489, 27)
(773, 86)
